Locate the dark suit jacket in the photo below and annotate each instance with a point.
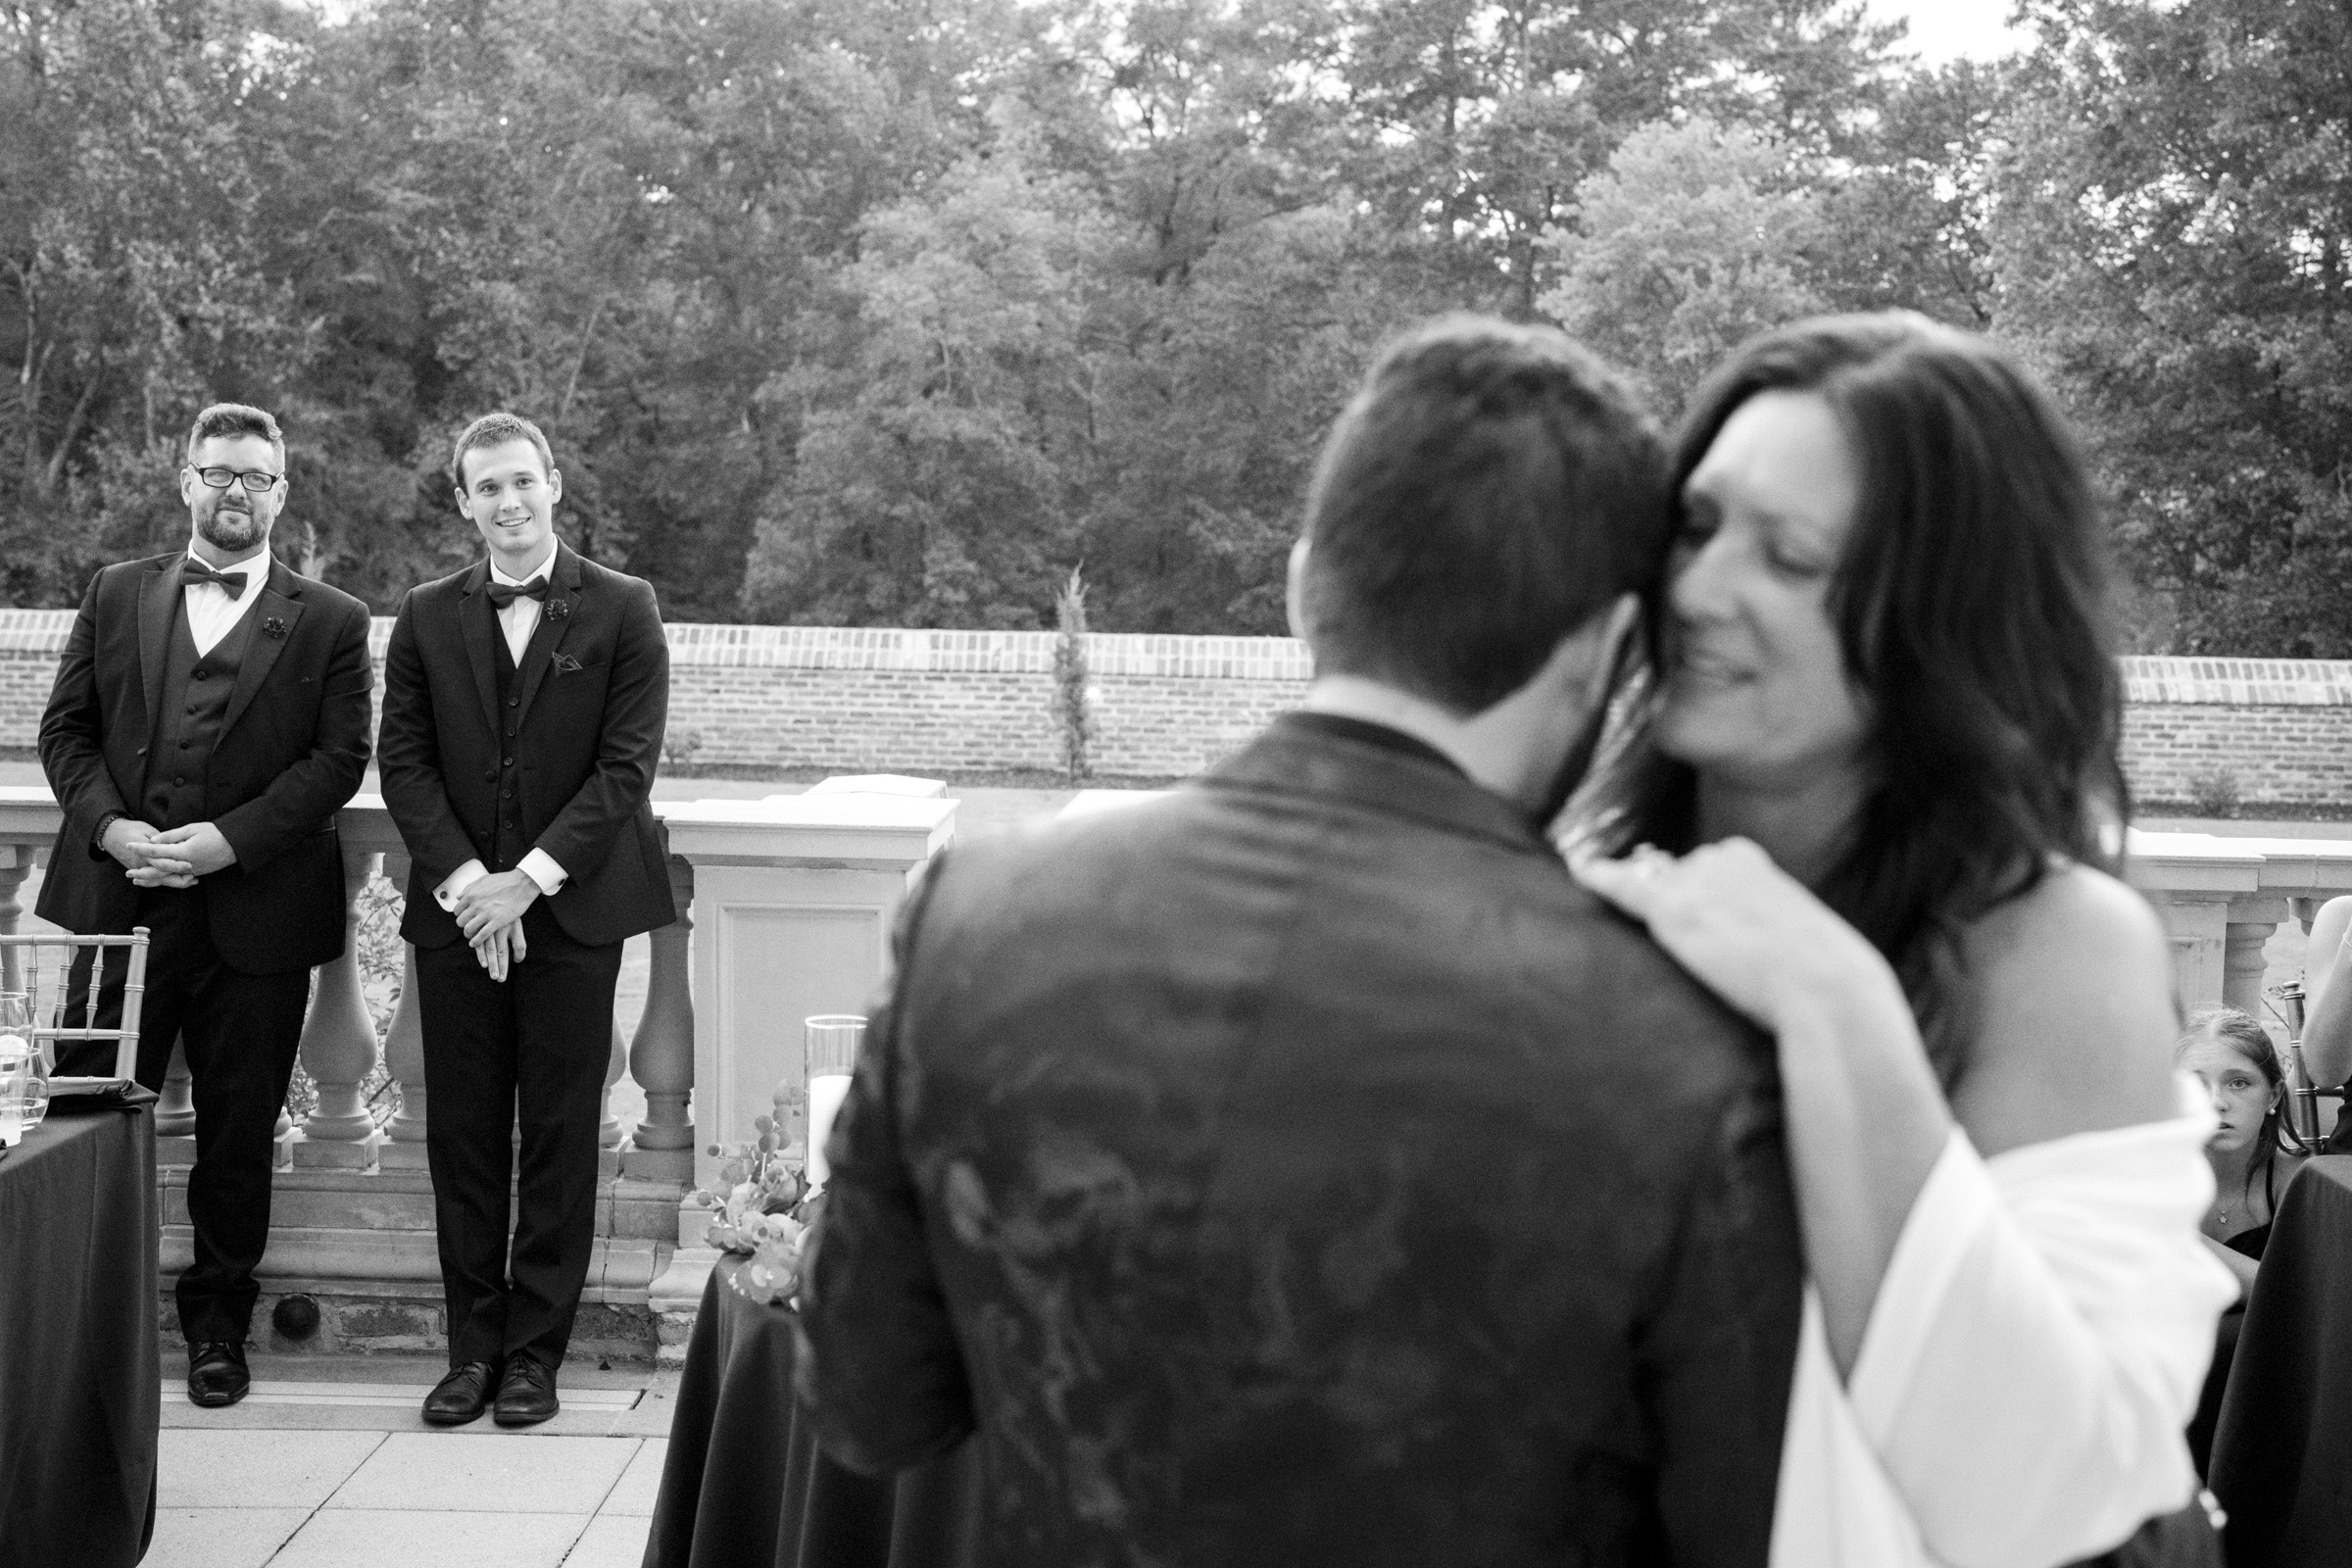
(1303, 1170)
(591, 694)
(292, 750)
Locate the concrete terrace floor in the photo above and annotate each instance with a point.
(327, 1464)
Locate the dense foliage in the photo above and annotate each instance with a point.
(893, 311)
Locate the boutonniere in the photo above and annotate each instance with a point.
(273, 627)
(559, 608)
(565, 664)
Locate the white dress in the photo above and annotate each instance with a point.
(2036, 1349)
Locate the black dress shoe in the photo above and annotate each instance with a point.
(459, 1396)
(217, 1374)
(526, 1396)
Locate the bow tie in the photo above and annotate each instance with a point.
(195, 574)
(504, 594)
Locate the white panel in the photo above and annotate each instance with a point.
(773, 946)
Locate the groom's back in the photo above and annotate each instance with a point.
(1315, 1175)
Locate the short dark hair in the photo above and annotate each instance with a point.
(1972, 606)
(233, 419)
(490, 430)
(1490, 487)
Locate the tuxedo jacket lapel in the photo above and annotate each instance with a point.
(562, 587)
(477, 624)
(282, 601)
(159, 598)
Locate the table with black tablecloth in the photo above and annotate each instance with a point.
(80, 1373)
(744, 1484)
(2283, 1448)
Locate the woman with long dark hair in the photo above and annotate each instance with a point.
(1873, 799)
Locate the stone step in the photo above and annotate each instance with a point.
(380, 1317)
(394, 1395)
(384, 1391)
(615, 1264)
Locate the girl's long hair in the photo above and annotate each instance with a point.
(2245, 1035)
(1972, 608)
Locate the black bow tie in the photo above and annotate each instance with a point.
(504, 594)
(195, 574)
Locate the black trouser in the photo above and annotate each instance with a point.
(241, 1032)
(536, 1045)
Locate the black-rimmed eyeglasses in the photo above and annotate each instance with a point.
(222, 478)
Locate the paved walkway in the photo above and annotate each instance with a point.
(326, 1465)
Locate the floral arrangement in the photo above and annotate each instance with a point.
(763, 1208)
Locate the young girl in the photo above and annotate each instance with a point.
(2231, 1057)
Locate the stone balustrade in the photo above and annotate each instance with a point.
(784, 908)
(2223, 899)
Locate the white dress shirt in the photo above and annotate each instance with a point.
(211, 613)
(522, 617)
(517, 620)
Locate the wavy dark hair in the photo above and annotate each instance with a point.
(1972, 604)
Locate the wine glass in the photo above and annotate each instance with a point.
(833, 1039)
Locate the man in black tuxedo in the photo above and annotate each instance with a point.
(1301, 1169)
(210, 717)
(523, 705)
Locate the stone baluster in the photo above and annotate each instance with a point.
(176, 1106)
(661, 1058)
(338, 1047)
(16, 864)
(404, 1053)
(2244, 933)
(609, 1131)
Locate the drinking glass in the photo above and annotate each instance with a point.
(24, 1070)
(15, 1029)
(833, 1040)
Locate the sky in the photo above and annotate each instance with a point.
(1944, 29)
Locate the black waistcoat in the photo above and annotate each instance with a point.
(188, 721)
(506, 843)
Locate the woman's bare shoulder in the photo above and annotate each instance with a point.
(2073, 1017)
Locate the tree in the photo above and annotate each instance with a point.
(928, 484)
(2172, 241)
(1690, 241)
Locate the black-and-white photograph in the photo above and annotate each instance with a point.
(1175, 783)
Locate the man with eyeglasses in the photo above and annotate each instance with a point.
(210, 717)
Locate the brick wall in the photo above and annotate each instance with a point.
(871, 698)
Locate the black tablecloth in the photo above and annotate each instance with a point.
(2283, 1448)
(80, 1373)
(744, 1484)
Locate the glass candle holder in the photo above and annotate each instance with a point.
(833, 1040)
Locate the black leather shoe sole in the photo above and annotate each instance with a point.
(517, 1414)
(213, 1397)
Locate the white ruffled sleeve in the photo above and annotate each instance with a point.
(2039, 1341)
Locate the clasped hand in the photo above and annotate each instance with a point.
(173, 858)
(490, 914)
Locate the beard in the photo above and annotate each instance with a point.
(232, 528)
